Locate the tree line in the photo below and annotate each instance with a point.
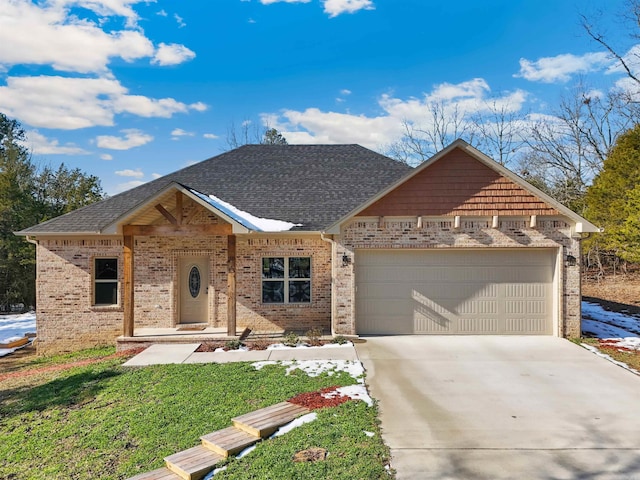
(30, 194)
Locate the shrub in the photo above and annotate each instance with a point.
(313, 336)
(291, 339)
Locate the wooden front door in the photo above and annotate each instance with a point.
(194, 289)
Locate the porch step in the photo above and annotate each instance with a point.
(229, 441)
(159, 474)
(194, 463)
(265, 421)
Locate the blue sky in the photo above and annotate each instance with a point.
(129, 90)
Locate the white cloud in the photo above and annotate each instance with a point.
(65, 41)
(178, 132)
(316, 126)
(130, 173)
(155, 175)
(198, 106)
(337, 7)
(172, 54)
(179, 20)
(41, 145)
(210, 136)
(129, 185)
(72, 103)
(162, 13)
(345, 91)
(561, 67)
(132, 138)
(106, 156)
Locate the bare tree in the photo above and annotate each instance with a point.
(500, 130)
(249, 132)
(443, 123)
(629, 61)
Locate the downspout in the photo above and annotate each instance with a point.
(333, 279)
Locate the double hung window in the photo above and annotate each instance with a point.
(105, 281)
(286, 280)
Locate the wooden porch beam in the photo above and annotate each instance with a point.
(179, 211)
(231, 285)
(127, 284)
(177, 230)
(166, 214)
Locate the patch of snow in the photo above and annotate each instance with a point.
(246, 451)
(355, 392)
(599, 329)
(604, 324)
(313, 368)
(368, 434)
(308, 418)
(245, 218)
(15, 327)
(215, 470)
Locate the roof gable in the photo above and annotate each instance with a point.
(459, 184)
(486, 181)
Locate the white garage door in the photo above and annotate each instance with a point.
(491, 292)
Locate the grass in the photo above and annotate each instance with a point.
(110, 422)
(632, 359)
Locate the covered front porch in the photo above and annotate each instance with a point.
(185, 289)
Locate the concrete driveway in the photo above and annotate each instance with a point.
(490, 407)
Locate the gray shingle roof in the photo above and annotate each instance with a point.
(314, 185)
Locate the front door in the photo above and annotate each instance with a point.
(194, 289)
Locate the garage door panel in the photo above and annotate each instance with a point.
(455, 291)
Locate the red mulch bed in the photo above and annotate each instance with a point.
(614, 345)
(66, 366)
(316, 400)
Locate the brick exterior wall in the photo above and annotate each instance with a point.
(369, 233)
(67, 320)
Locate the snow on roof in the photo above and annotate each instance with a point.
(245, 218)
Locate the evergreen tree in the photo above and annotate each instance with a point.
(613, 201)
(29, 195)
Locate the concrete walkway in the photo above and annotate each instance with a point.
(168, 353)
(488, 407)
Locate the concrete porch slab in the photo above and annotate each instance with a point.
(166, 353)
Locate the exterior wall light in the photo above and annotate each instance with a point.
(346, 260)
(571, 261)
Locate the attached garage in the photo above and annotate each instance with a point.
(454, 291)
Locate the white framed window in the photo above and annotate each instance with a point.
(286, 280)
(105, 281)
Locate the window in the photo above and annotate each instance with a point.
(286, 280)
(105, 281)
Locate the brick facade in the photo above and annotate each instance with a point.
(68, 320)
(370, 233)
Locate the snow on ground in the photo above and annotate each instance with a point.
(601, 323)
(14, 327)
(313, 368)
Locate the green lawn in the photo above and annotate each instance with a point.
(104, 421)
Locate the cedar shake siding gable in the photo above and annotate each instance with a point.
(458, 184)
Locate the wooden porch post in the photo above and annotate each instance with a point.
(127, 293)
(231, 285)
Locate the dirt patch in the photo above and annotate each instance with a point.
(618, 292)
(27, 372)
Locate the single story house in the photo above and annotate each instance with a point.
(290, 237)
